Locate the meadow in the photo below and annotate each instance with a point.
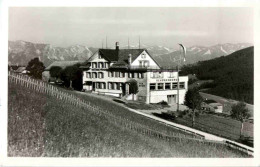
(42, 125)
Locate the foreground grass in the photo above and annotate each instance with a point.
(124, 112)
(39, 125)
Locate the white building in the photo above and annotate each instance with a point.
(108, 71)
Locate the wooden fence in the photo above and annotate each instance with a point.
(45, 88)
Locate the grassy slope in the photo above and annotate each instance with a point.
(124, 112)
(39, 125)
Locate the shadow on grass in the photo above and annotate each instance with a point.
(165, 116)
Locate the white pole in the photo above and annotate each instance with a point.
(177, 86)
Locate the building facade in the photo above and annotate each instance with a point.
(110, 71)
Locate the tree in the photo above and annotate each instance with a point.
(133, 87)
(35, 68)
(193, 100)
(72, 76)
(240, 112)
(55, 72)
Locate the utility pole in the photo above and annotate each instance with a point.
(178, 82)
(102, 43)
(178, 95)
(128, 43)
(139, 42)
(106, 42)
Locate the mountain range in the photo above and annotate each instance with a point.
(21, 52)
(200, 53)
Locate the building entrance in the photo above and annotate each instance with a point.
(171, 99)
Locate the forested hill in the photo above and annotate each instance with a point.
(233, 75)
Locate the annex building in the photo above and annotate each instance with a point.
(109, 71)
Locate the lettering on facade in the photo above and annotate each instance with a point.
(141, 84)
(165, 80)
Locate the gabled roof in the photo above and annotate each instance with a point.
(63, 64)
(210, 101)
(124, 53)
(121, 55)
(20, 69)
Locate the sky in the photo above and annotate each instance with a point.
(89, 26)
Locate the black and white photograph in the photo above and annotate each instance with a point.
(130, 82)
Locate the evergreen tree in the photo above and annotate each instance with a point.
(35, 68)
(193, 100)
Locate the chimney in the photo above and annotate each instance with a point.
(129, 59)
(117, 45)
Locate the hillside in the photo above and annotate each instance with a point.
(41, 125)
(233, 75)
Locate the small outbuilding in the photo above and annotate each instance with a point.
(212, 106)
(21, 70)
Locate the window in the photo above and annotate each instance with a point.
(167, 86)
(144, 63)
(140, 75)
(116, 74)
(88, 75)
(98, 85)
(140, 63)
(160, 75)
(182, 85)
(152, 86)
(122, 74)
(94, 65)
(157, 75)
(143, 55)
(171, 74)
(130, 75)
(94, 75)
(99, 56)
(160, 86)
(133, 75)
(110, 74)
(100, 75)
(100, 65)
(110, 85)
(101, 85)
(117, 86)
(174, 85)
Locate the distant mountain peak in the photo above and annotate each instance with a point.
(21, 52)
